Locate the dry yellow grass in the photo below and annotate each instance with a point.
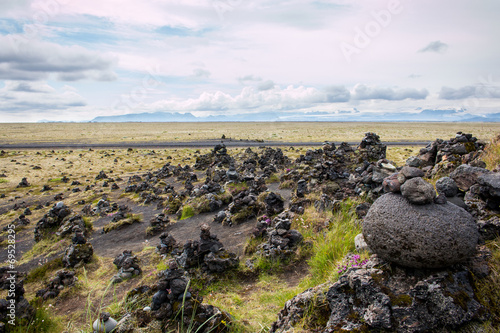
(275, 131)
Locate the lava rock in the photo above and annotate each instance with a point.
(465, 176)
(418, 191)
(430, 235)
(447, 186)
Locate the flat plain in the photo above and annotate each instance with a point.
(87, 133)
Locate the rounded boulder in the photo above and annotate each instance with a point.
(419, 236)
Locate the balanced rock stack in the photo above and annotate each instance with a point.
(413, 227)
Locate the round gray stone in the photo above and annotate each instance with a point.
(418, 191)
(430, 236)
(447, 186)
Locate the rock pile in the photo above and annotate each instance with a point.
(167, 243)
(443, 156)
(14, 306)
(175, 299)
(380, 297)
(128, 266)
(371, 148)
(70, 225)
(62, 279)
(20, 221)
(158, 223)
(281, 240)
(79, 252)
(207, 252)
(54, 218)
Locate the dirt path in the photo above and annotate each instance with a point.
(134, 237)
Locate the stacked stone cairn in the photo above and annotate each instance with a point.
(54, 218)
(281, 241)
(63, 278)
(128, 266)
(167, 244)
(175, 299)
(79, 252)
(14, 307)
(208, 253)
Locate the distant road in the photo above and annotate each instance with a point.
(190, 144)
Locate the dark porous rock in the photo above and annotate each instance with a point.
(413, 161)
(401, 301)
(465, 176)
(167, 243)
(429, 236)
(490, 190)
(76, 254)
(392, 184)
(489, 228)
(62, 279)
(411, 172)
(23, 183)
(295, 309)
(379, 174)
(379, 297)
(418, 191)
(221, 261)
(274, 203)
(440, 199)
(362, 209)
(447, 186)
(301, 188)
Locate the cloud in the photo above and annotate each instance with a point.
(201, 73)
(478, 91)
(363, 92)
(37, 97)
(266, 85)
(450, 93)
(24, 59)
(257, 98)
(248, 79)
(337, 94)
(436, 46)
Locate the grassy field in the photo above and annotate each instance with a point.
(274, 131)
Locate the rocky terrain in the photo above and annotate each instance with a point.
(174, 240)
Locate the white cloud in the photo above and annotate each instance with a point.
(250, 98)
(478, 91)
(363, 92)
(436, 46)
(28, 98)
(24, 59)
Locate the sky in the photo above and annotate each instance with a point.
(74, 60)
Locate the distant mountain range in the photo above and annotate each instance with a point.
(422, 115)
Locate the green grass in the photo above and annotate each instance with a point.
(42, 321)
(487, 291)
(40, 273)
(3, 180)
(46, 247)
(492, 153)
(131, 219)
(187, 212)
(334, 244)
